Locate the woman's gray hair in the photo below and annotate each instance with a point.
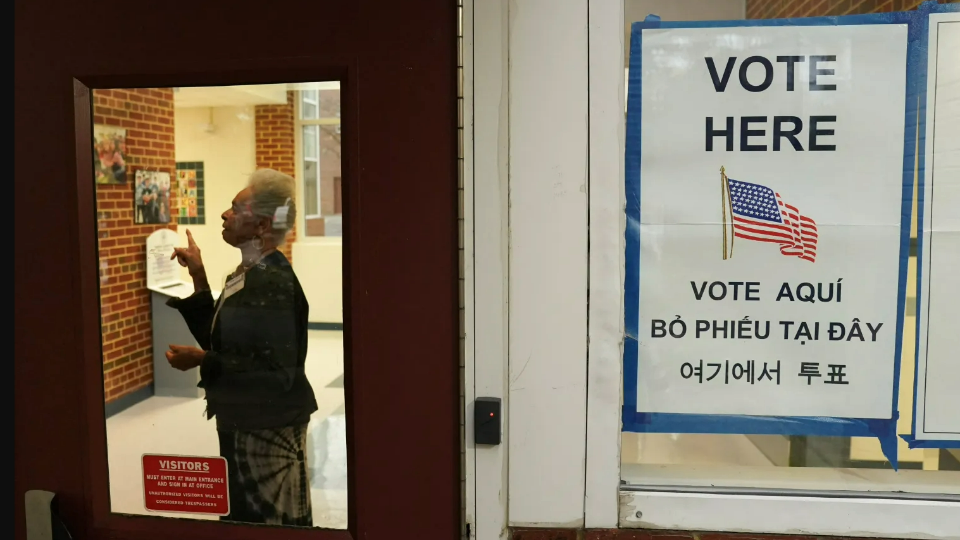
(272, 190)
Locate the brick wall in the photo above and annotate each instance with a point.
(276, 147)
(147, 115)
(780, 9)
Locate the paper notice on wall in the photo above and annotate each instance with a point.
(770, 194)
(937, 410)
(160, 269)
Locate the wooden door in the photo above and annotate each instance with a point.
(397, 67)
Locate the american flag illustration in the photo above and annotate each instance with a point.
(758, 213)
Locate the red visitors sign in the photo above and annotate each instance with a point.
(185, 484)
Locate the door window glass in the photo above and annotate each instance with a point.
(223, 361)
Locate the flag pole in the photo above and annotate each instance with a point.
(723, 209)
(726, 186)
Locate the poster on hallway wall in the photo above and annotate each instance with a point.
(767, 229)
(187, 182)
(190, 196)
(109, 154)
(151, 198)
(160, 268)
(936, 422)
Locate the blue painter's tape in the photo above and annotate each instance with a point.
(913, 442)
(923, 15)
(885, 430)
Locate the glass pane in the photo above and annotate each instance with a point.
(310, 206)
(310, 135)
(330, 175)
(330, 103)
(216, 375)
(308, 104)
(788, 461)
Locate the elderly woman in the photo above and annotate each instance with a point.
(253, 341)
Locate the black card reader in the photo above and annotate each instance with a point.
(486, 421)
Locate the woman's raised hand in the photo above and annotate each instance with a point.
(189, 256)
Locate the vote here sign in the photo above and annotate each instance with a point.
(771, 196)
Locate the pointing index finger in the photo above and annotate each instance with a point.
(190, 241)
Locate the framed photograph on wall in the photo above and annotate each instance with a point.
(151, 198)
(110, 154)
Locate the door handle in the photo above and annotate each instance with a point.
(43, 516)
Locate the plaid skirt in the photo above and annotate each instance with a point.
(268, 476)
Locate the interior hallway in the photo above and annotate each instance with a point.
(177, 426)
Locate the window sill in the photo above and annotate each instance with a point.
(933, 484)
(771, 514)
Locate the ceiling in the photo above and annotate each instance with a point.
(241, 96)
(230, 96)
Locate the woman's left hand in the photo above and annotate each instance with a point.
(184, 358)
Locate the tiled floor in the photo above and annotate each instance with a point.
(169, 425)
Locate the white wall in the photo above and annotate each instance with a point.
(556, 476)
(536, 113)
(318, 263)
(229, 157)
(228, 154)
(486, 256)
(607, 221)
(548, 167)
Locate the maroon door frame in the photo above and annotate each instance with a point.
(397, 64)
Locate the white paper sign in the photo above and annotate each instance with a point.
(938, 364)
(160, 269)
(770, 204)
